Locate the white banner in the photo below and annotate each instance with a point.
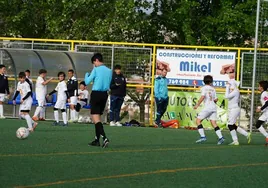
(188, 67)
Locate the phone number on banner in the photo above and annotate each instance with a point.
(187, 82)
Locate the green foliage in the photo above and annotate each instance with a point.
(192, 22)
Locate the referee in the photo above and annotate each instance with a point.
(101, 77)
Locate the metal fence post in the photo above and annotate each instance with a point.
(152, 85)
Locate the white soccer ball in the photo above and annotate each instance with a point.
(22, 133)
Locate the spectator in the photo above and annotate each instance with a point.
(118, 92)
(161, 96)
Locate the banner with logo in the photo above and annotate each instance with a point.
(188, 67)
(181, 108)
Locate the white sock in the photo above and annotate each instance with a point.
(234, 135)
(218, 132)
(29, 121)
(64, 117)
(76, 115)
(263, 131)
(1, 110)
(42, 113)
(56, 116)
(201, 132)
(37, 111)
(22, 116)
(72, 114)
(242, 131)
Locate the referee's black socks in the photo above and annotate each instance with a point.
(99, 131)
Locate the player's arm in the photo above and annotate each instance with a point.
(52, 92)
(113, 85)
(47, 81)
(29, 93)
(264, 106)
(90, 77)
(7, 87)
(67, 94)
(199, 102)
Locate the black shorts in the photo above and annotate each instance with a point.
(98, 101)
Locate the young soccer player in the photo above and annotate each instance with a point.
(82, 97)
(101, 77)
(4, 89)
(72, 86)
(263, 86)
(232, 94)
(41, 91)
(208, 95)
(62, 96)
(26, 101)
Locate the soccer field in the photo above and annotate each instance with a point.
(136, 157)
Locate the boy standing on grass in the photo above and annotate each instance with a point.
(263, 86)
(161, 96)
(41, 91)
(72, 86)
(208, 95)
(4, 89)
(101, 77)
(62, 96)
(26, 101)
(118, 92)
(232, 94)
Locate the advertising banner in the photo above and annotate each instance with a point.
(181, 108)
(188, 67)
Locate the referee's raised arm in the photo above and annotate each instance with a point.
(101, 77)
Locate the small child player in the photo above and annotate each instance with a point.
(26, 101)
(232, 94)
(62, 96)
(263, 86)
(82, 98)
(4, 89)
(208, 95)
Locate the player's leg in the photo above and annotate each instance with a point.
(38, 109)
(56, 113)
(202, 115)
(213, 121)
(104, 97)
(64, 117)
(2, 99)
(42, 113)
(164, 107)
(73, 103)
(112, 110)
(232, 116)
(78, 108)
(158, 112)
(28, 119)
(259, 126)
(118, 105)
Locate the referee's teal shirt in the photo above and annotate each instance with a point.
(101, 77)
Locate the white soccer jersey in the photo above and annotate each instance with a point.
(233, 96)
(210, 95)
(264, 98)
(24, 88)
(83, 94)
(40, 89)
(61, 91)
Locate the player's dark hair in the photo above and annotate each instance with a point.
(41, 71)
(97, 56)
(22, 75)
(83, 83)
(264, 85)
(62, 73)
(208, 79)
(117, 67)
(28, 71)
(2, 66)
(71, 70)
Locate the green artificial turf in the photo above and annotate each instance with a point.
(136, 157)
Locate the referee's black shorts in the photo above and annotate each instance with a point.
(98, 101)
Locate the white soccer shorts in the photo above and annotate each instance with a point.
(205, 114)
(60, 104)
(2, 97)
(264, 116)
(233, 114)
(73, 100)
(26, 105)
(41, 102)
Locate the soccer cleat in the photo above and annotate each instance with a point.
(94, 143)
(35, 118)
(220, 141)
(249, 138)
(31, 130)
(105, 143)
(55, 123)
(234, 143)
(202, 139)
(118, 124)
(64, 125)
(34, 125)
(42, 119)
(112, 124)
